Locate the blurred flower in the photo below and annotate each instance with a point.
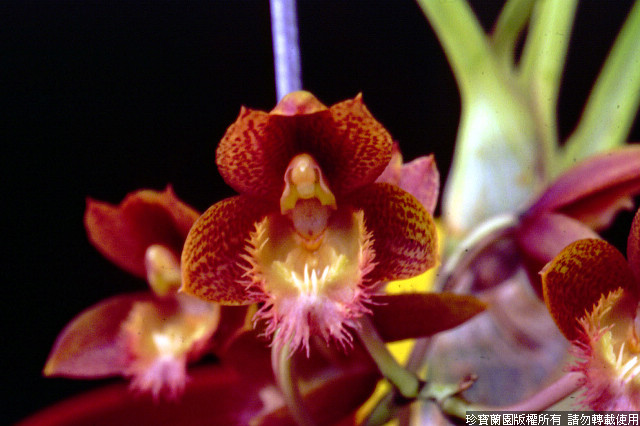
(593, 294)
(150, 336)
(501, 266)
(241, 390)
(584, 199)
(311, 234)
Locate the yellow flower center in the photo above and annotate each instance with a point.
(308, 262)
(613, 367)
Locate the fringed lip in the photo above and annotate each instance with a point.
(320, 292)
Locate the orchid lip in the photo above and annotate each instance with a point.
(309, 286)
(310, 243)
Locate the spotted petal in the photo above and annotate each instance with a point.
(540, 238)
(404, 233)
(355, 150)
(351, 147)
(123, 233)
(212, 264)
(578, 277)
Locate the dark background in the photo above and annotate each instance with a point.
(104, 97)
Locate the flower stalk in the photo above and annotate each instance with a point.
(547, 397)
(283, 369)
(406, 382)
(286, 52)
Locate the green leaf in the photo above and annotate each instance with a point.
(461, 36)
(498, 162)
(542, 63)
(613, 103)
(512, 20)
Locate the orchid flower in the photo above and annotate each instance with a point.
(593, 294)
(311, 236)
(148, 336)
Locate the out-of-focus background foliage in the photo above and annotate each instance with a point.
(101, 98)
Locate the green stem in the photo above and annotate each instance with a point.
(384, 411)
(613, 103)
(406, 382)
(447, 397)
(281, 363)
(512, 20)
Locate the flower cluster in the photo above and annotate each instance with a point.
(286, 282)
(325, 218)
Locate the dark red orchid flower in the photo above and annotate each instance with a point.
(147, 336)
(593, 294)
(144, 218)
(312, 234)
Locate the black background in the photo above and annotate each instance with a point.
(104, 97)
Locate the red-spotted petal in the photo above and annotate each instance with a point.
(596, 189)
(355, 149)
(212, 266)
(404, 233)
(89, 345)
(633, 246)
(578, 277)
(540, 238)
(350, 146)
(123, 233)
(410, 316)
(254, 153)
